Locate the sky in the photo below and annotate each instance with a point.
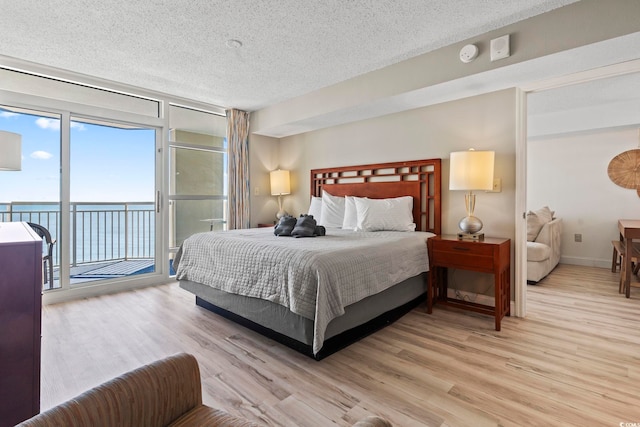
(108, 164)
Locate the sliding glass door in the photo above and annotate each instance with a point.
(119, 179)
(94, 185)
(112, 200)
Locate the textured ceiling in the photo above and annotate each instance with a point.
(289, 47)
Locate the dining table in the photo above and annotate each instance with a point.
(629, 230)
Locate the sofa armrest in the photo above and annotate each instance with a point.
(152, 395)
(550, 233)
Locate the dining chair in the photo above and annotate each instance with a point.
(47, 256)
(619, 253)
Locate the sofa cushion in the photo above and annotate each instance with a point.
(206, 416)
(537, 251)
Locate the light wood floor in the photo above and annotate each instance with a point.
(573, 361)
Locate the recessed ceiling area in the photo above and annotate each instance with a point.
(279, 50)
(612, 102)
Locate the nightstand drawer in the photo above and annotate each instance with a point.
(460, 247)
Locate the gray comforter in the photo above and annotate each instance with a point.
(313, 277)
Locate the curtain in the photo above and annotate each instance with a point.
(238, 168)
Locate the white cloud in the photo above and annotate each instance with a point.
(54, 124)
(42, 155)
(7, 114)
(46, 123)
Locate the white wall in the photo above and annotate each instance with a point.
(485, 122)
(263, 158)
(569, 174)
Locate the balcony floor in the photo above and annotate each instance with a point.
(104, 270)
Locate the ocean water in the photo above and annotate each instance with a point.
(99, 232)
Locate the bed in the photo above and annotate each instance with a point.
(317, 295)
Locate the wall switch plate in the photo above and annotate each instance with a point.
(256, 190)
(500, 48)
(577, 238)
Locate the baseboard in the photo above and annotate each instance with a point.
(586, 262)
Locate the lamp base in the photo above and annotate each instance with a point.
(470, 227)
(471, 236)
(281, 211)
(470, 224)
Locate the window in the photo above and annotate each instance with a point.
(198, 173)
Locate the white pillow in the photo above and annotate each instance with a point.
(545, 214)
(315, 208)
(350, 213)
(534, 225)
(385, 214)
(332, 212)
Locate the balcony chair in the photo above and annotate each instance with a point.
(47, 258)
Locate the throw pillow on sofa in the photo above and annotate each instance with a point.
(536, 220)
(545, 214)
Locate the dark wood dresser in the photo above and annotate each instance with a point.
(20, 312)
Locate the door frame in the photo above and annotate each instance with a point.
(619, 69)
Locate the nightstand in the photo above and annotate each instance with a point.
(261, 225)
(491, 255)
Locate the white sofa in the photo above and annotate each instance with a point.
(543, 254)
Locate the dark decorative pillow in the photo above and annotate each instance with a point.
(305, 226)
(285, 226)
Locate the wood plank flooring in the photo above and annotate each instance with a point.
(575, 359)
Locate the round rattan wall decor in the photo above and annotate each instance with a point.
(624, 169)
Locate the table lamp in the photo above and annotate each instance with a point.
(10, 151)
(280, 186)
(471, 170)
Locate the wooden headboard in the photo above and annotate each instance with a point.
(420, 179)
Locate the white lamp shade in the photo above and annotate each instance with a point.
(10, 151)
(471, 170)
(280, 183)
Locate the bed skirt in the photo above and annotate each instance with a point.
(294, 331)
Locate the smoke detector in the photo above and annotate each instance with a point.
(468, 53)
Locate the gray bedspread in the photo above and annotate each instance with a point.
(313, 277)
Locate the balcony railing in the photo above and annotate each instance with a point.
(99, 232)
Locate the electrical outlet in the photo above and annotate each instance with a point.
(497, 186)
(577, 238)
(256, 190)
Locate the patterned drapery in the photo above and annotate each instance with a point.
(238, 155)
